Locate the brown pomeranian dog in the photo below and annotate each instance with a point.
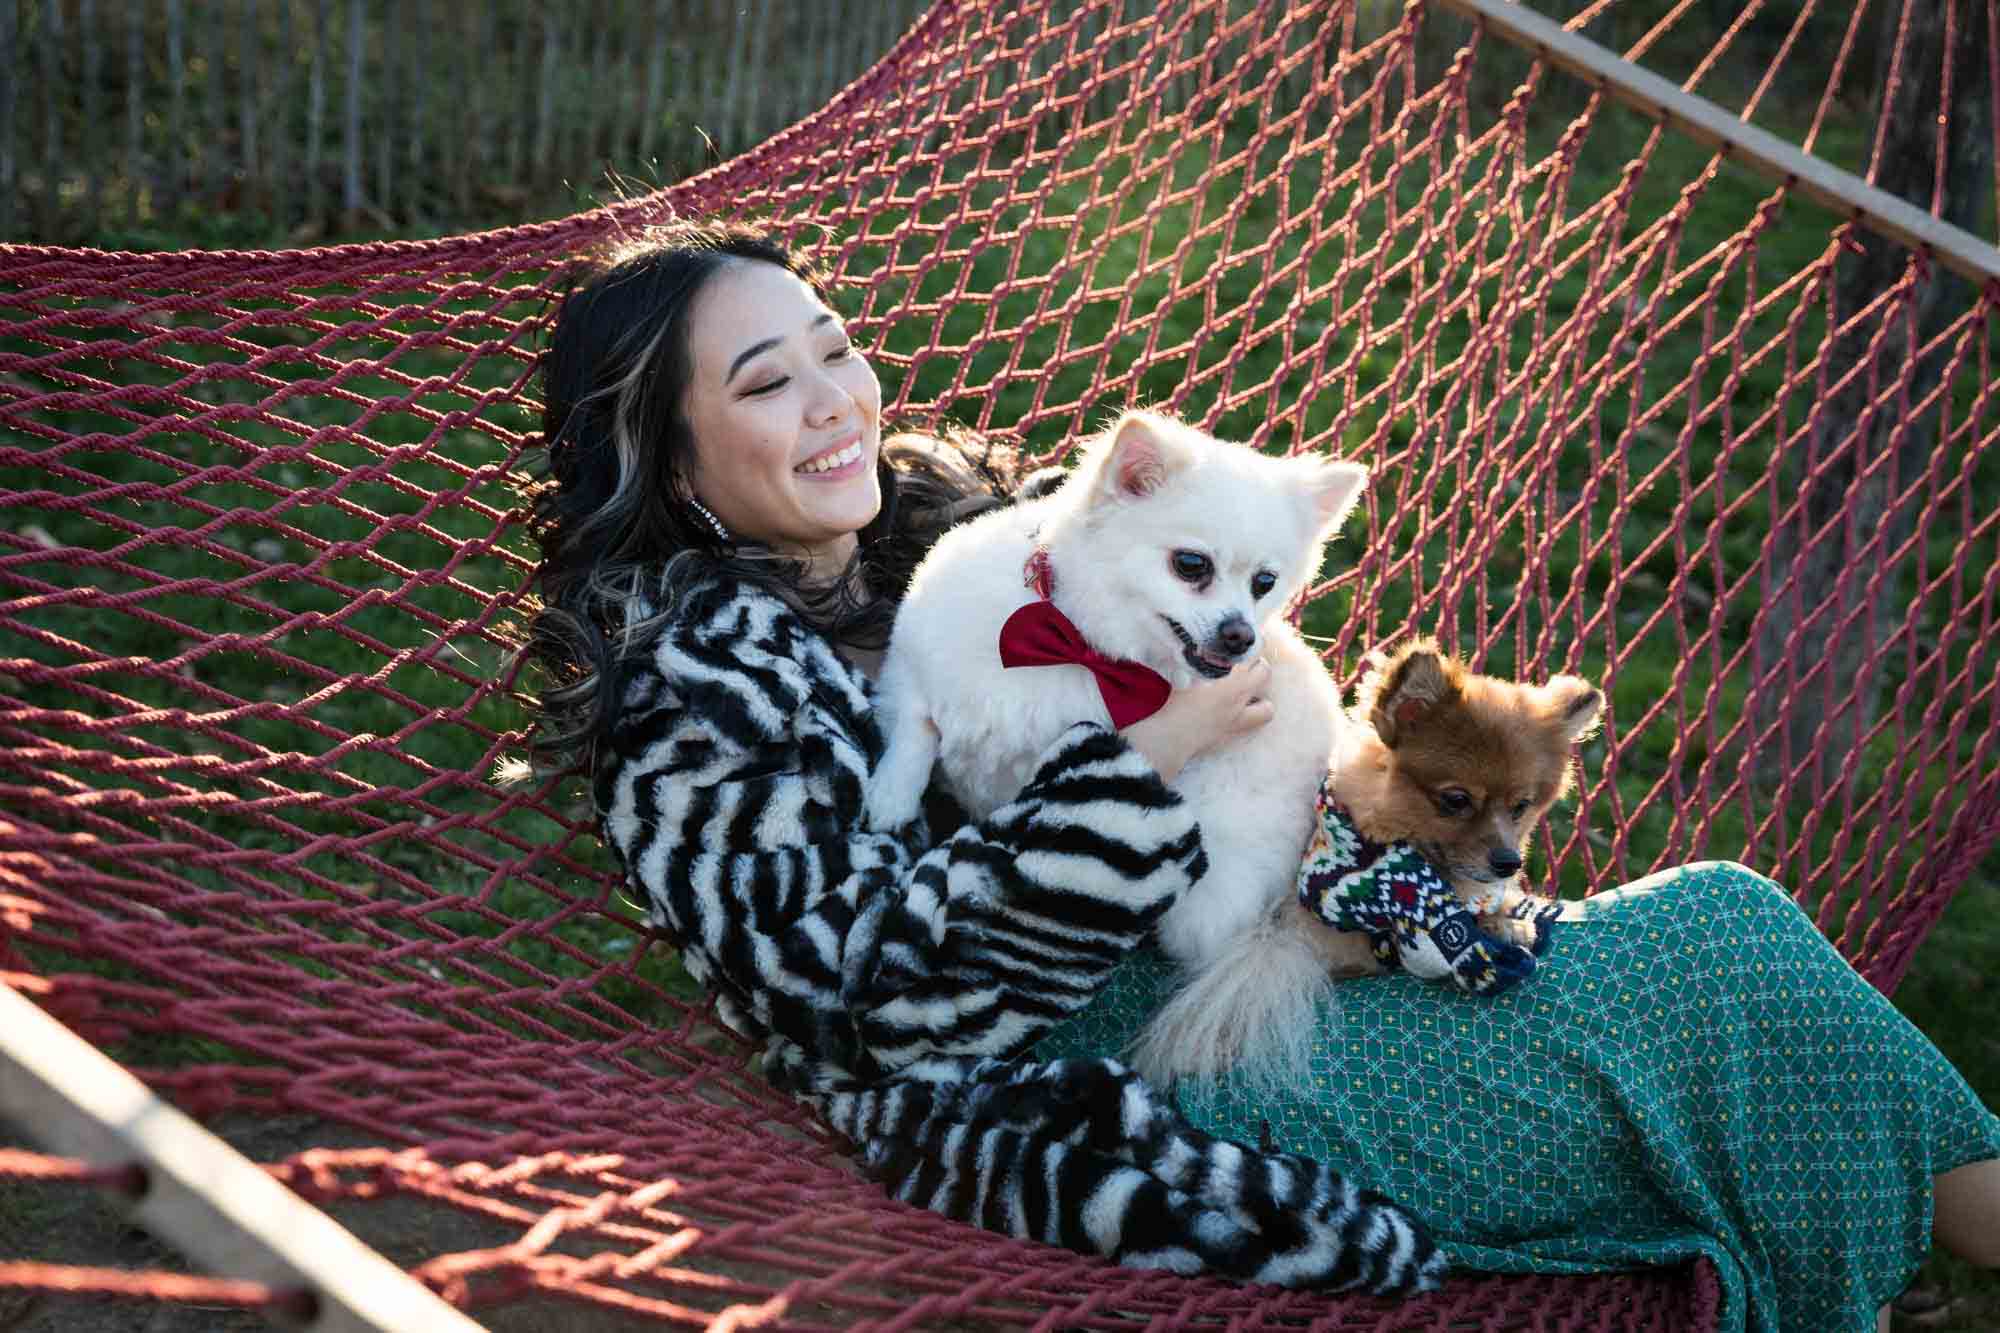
(1462, 767)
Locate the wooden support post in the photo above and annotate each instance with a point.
(1702, 120)
(201, 1196)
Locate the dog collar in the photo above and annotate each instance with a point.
(1037, 574)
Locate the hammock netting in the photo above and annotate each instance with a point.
(262, 572)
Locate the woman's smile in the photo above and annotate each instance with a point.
(838, 461)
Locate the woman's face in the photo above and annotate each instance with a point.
(785, 415)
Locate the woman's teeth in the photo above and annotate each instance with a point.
(828, 462)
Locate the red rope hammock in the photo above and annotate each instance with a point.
(260, 574)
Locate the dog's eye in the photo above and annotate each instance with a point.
(1520, 809)
(1262, 582)
(1454, 801)
(1191, 566)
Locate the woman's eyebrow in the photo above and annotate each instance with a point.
(754, 348)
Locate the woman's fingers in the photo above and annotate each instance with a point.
(1256, 713)
(1253, 680)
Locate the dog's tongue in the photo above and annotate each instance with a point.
(1211, 664)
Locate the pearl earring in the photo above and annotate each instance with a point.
(721, 533)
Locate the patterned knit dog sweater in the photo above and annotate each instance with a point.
(1412, 918)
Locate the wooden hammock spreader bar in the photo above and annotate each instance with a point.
(201, 1195)
(1702, 120)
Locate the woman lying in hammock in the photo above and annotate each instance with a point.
(1693, 1071)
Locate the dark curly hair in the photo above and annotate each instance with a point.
(610, 508)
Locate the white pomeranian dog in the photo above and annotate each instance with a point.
(1172, 549)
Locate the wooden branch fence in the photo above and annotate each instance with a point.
(129, 114)
(146, 121)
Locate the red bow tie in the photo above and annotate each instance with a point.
(1040, 635)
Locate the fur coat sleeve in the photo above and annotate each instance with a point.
(892, 981)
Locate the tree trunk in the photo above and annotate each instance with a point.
(214, 162)
(136, 172)
(1852, 523)
(829, 77)
(755, 121)
(656, 81)
(728, 114)
(388, 111)
(458, 109)
(316, 116)
(421, 38)
(588, 162)
(284, 195)
(518, 115)
(487, 103)
(545, 101)
(52, 78)
(9, 88)
(250, 112)
(89, 152)
(350, 131)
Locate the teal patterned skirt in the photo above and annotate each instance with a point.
(1692, 1071)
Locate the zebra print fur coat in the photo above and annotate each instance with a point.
(893, 980)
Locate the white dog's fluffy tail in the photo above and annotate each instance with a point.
(1255, 1006)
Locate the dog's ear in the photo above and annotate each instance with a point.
(1333, 484)
(1398, 695)
(1139, 456)
(1575, 705)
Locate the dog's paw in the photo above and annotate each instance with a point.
(888, 806)
(894, 793)
(1513, 915)
(1527, 921)
(1370, 966)
(1510, 929)
(1345, 953)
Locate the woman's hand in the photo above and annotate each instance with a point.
(1203, 715)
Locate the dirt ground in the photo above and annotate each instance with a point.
(72, 1224)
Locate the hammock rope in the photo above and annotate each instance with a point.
(261, 573)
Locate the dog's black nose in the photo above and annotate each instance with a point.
(1235, 636)
(1504, 860)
